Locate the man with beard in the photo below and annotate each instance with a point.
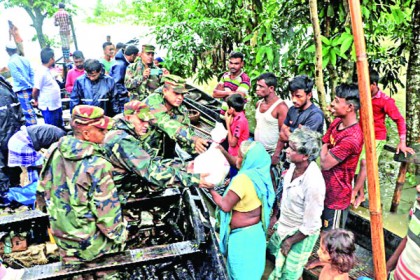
(46, 92)
(123, 58)
(143, 76)
(172, 121)
(76, 72)
(95, 89)
(303, 112)
(234, 81)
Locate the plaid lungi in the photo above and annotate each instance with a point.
(290, 267)
(22, 153)
(65, 40)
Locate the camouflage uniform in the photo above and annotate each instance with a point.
(82, 200)
(135, 83)
(135, 169)
(174, 124)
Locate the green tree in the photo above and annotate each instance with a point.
(276, 36)
(38, 10)
(413, 83)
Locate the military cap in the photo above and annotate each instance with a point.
(148, 48)
(92, 116)
(138, 108)
(177, 83)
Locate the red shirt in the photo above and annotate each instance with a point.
(344, 145)
(72, 75)
(61, 19)
(240, 130)
(383, 105)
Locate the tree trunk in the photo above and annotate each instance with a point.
(319, 77)
(37, 22)
(413, 82)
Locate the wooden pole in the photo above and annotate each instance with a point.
(398, 187)
(377, 233)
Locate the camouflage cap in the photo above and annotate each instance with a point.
(177, 83)
(148, 48)
(92, 116)
(138, 108)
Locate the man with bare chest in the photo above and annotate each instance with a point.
(270, 114)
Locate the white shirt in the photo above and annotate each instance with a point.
(49, 90)
(302, 202)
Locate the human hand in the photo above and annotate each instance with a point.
(220, 86)
(286, 246)
(203, 183)
(403, 148)
(275, 159)
(146, 73)
(200, 145)
(190, 167)
(228, 119)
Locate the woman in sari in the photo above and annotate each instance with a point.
(244, 213)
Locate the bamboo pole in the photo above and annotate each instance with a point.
(398, 187)
(377, 233)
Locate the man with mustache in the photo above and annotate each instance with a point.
(143, 76)
(234, 81)
(138, 171)
(172, 121)
(76, 72)
(303, 112)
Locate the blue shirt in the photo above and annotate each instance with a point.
(22, 73)
(312, 117)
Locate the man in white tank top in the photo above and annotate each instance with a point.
(269, 115)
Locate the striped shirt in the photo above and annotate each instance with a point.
(408, 267)
(240, 83)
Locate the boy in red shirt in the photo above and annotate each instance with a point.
(343, 143)
(237, 125)
(382, 105)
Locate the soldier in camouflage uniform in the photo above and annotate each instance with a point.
(143, 76)
(172, 121)
(135, 169)
(82, 200)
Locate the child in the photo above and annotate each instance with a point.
(237, 125)
(337, 251)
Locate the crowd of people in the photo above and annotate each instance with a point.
(292, 183)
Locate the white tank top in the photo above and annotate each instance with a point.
(267, 128)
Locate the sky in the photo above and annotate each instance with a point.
(89, 37)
